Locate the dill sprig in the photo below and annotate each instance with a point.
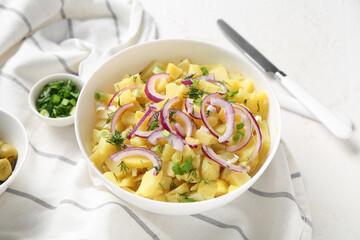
(117, 140)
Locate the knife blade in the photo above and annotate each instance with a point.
(330, 120)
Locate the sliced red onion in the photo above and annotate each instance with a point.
(248, 131)
(144, 134)
(117, 94)
(150, 87)
(191, 144)
(179, 130)
(229, 116)
(257, 130)
(139, 151)
(209, 152)
(164, 114)
(209, 77)
(175, 141)
(189, 108)
(186, 119)
(187, 81)
(147, 113)
(118, 112)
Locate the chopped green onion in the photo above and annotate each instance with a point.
(44, 113)
(166, 133)
(153, 125)
(187, 166)
(137, 93)
(65, 102)
(233, 93)
(177, 170)
(72, 111)
(98, 96)
(240, 132)
(195, 82)
(56, 99)
(73, 101)
(204, 71)
(158, 69)
(240, 126)
(219, 89)
(236, 137)
(244, 164)
(198, 102)
(156, 148)
(104, 133)
(232, 100)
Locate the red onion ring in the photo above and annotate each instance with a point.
(229, 116)
(118, 93)
(118, 112)
(209, 152)
(150, 87)
(147, 113)
(191, 144)
(164, 114)
(187, 81)
(179, 130)
(256, 127)
(189, 106)
(248, 132)
(175, 141)
(138, 151)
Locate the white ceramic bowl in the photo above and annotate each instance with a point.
(133, 60)
(35, 93)
(13, 132)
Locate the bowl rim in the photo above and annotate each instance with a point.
(19, 164)
(224, 198)
(37, 87)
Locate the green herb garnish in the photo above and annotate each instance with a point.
(123, 167)
(117, 140)
(195, 93)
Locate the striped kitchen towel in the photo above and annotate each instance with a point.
(53, 196)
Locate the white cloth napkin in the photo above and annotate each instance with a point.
(54, 197)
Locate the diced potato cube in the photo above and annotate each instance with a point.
(97, 158)
(111, 177)
(247, 85)
(168, 152)
(138, 141)
(220, 73)
(128, 118)
(115, 168)
(96, 137)
(161, 197)
(128, 97)
(106, 148)
(137, 162)
(225, 173)
(210, 170)
(242, 97)
(264, 128)
(174, 195)
(236, 74)
(128, 81)
(150, 186)
(222, 188)
(220, 129)
(207, 86)
(174, 71)
(246, 152)
(238, 179)
(127, 181)
(212, 120)
(161, 85)
(174, 90)
(167, 169)
(184, 65)
(207, 190)
(194, 68)
(205, 138)
(259, 104)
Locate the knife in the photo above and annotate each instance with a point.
(330, 120)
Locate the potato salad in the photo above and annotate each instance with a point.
(180, 132)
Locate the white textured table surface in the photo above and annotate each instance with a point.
(317, 43)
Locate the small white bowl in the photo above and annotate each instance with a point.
(13, 132)
(35, 93)
(133, 60)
